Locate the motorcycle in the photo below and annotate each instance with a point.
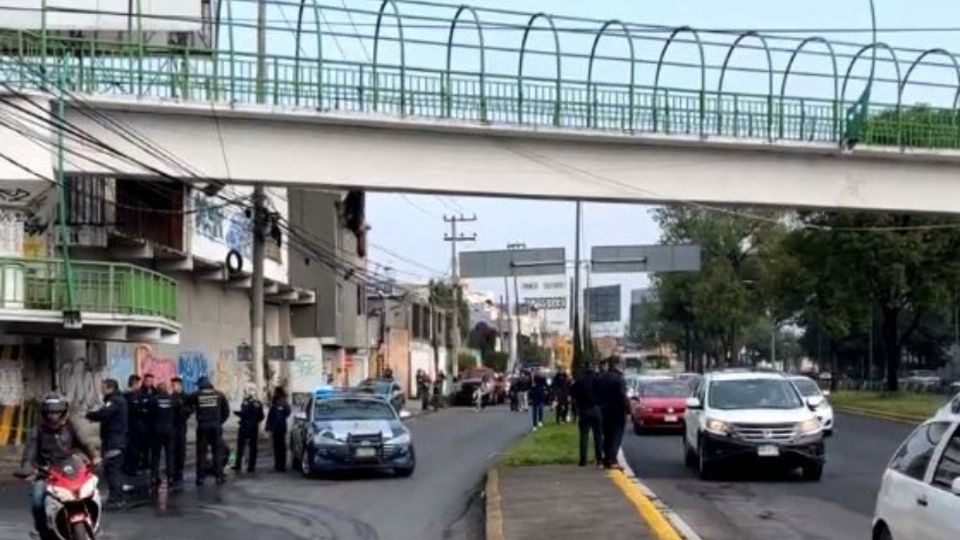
(72, 503)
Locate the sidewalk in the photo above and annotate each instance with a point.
(561, 503)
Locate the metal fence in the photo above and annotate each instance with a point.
(119, 289)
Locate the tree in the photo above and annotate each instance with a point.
(442, 296)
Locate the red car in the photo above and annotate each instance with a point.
(659, 405)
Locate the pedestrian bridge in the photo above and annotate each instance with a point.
(433, 98)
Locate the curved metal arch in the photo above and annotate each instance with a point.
(523, 51)
(296, 58)
(723, 74)
(703, 74)
(376, 56)
(483, 62)
(592, 111)
(928, 52)
(896, 63)
(232, 51)
(836, 80)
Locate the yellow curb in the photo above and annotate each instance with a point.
(648, 511)
(494, 509)
(902, 419)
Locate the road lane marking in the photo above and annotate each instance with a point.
(679, 529)
(494, 506)
(874, 415)
(645, 507)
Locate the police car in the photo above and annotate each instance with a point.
(343, 430)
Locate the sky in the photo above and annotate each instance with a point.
(412, 225)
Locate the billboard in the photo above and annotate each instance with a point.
(661, 258)
(602, 304)
(104, 15)
(509, 263)
(551, 296)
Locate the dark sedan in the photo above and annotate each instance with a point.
(386, 389)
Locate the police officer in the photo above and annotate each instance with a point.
(162, 434)
(146, 406)
(277, 426)
(135, 429)
(212, 410)
(112, 417)
(181, 414)
(251, 414)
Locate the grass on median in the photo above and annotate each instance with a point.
(908, 405)
(552, 444)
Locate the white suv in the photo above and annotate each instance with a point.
(739, 418)
(919, 498)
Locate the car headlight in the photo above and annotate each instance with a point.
(400, 440)
(326, 438)
(717, 427)
(809, 427)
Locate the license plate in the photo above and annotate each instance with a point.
(768, 450)
(670, 418)
(366, 452)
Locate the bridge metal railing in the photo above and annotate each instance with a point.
(589, 87)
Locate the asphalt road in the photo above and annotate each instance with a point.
(764, 505)
(453, 450)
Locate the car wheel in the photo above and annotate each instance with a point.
(306, 463)
(882, 533)
(295, 460)
(406, 472)
(813, 472)
(689, 458)
(828, 433)
(704, 467)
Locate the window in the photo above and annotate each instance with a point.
(753, 394)
(949, 468)
(914, 455)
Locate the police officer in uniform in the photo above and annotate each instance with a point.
(212, 411)
(135, 430)
(180, 416)
(112, 417)
(162, 434)
(251, 414)
(146, 405)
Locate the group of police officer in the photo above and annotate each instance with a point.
(149, 420)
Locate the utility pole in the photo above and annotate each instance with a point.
(577, 338)
(256, 298)
(515, 336)
(454, 237)
(506, 312)
(261, 50)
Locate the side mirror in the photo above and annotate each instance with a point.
(300, 416)
(955, 486)
(815, 401)
(693, 404)
(826, 393)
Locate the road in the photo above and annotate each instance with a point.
(764, 505)
(453, 450)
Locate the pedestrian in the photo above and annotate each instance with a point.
(212, 410)
(251, 414)
(438, 390)
(614, 405)
(112, 417)
(538, 398)
(561, 390)
(135, 428)
(277, 426)
(163, 433)
(181, 414)
(146, 405)
(423, 389)
(584, 394)
(479, 395)
(523, 391)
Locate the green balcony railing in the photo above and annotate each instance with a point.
(118, 289)
(428, 59)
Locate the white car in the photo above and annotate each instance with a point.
(919, 498)
(809, 388)
(736, 419)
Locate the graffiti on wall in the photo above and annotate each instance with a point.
(208, 219)
(240, 234)
(79, 380)
(192, 366)
(231, 228)
(230, 376)
(11, 383)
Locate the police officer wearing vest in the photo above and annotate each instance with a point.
(181, 415)
(112, 417)
(163, 432)
(212, 410)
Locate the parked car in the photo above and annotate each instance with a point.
(469, 381)
(350, 431)
(735, 419)
(808, 388)
(659, 404)
(919, 497)
(388, 390)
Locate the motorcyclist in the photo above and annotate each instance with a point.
(251, 414)
(162, 433)
(53, 442)
(112, 417)
(212, 410)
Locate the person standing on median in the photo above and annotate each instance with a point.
(538, 398)
(614, 405)
(277, 426)
(588, 420)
